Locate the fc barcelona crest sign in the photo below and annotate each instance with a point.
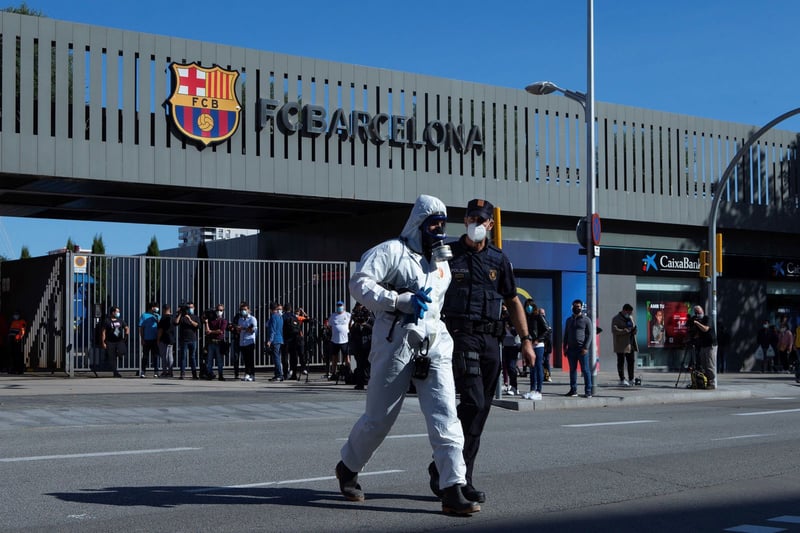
(203, 104)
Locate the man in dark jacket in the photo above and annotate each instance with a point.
(702, 332)
(578, 338)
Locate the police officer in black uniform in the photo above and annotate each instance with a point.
(482, 281)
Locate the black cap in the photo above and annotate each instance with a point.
(480, 208)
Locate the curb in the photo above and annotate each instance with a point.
(685, 396)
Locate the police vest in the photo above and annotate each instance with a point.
(473, 292)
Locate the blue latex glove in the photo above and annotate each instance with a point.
(414, 304)
(420, 302)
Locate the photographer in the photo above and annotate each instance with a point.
(361, 344)
(701, 334)
(215, 327)
(187, 335)
(623, 329)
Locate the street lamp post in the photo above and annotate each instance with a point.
(587, 102)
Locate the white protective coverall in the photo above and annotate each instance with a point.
(384, 270)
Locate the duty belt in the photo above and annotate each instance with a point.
(489, 327)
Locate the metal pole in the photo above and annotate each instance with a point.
(591, 260)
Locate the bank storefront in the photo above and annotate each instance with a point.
(667, 287)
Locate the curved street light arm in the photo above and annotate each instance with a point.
(712, 217)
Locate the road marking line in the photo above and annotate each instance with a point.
(782, 398)
(94, 454)
(746, 436)
(778, 412)
(750, 528)
(786, 518)
(609, 423)
(287, 481)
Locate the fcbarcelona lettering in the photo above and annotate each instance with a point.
(398, 130)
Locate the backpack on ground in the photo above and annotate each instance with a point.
(699, 380)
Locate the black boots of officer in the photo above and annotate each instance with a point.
(454, 502)
(469, 492)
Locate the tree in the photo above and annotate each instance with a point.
(70, 245)
(23, 9)
(25, 253)
(152, 271)
(97, 244)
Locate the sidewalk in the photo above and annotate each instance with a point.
(656, 388)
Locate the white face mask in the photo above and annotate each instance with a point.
(476, 232)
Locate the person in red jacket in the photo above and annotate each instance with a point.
(17, 330)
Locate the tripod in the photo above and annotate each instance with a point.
(688, 356)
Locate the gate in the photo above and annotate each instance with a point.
(65, 318)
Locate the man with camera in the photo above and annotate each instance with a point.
(215, 327)
(187, 336)
(702, 335)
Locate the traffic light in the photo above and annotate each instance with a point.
(705, 264)
(718, 261)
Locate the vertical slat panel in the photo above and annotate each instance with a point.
(97, 84)
(80, 148)
(45, 142)
(133, 87)
(163, 54)
(113, 106)
(28, 32)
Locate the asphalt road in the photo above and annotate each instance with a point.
(262, 460)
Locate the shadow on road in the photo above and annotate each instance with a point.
(166, 497)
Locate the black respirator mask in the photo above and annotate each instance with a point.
(433, 241)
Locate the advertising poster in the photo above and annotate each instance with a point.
(667, 324)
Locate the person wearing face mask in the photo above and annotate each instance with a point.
(340, 322)
(187, 336)
(215, 328)
(245, 331)
(702, 332)
(166, 341)
(148, 336)
(403, 282)
(17, 330)
(275, 338)
(578, 339)
(623, 330)
(114, 338)
(537, 329)
(483, 280)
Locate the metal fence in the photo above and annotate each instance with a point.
(129, 282)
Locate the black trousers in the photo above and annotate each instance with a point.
(249, 358)
(623, 358)
(476, 392)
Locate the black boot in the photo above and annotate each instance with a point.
(434, 473)
(348, 483)
(473, 495)
(454, 502)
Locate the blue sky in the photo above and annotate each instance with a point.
(730, 60)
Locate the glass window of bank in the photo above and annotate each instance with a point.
(662, 311)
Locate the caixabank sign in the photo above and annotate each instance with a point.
(204, 108)
(652, 263)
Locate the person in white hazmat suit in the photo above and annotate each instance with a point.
(403, 282)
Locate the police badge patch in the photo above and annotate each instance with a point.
(203, 105)
(492, 274)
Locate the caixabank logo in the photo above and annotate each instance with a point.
(203, 105)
